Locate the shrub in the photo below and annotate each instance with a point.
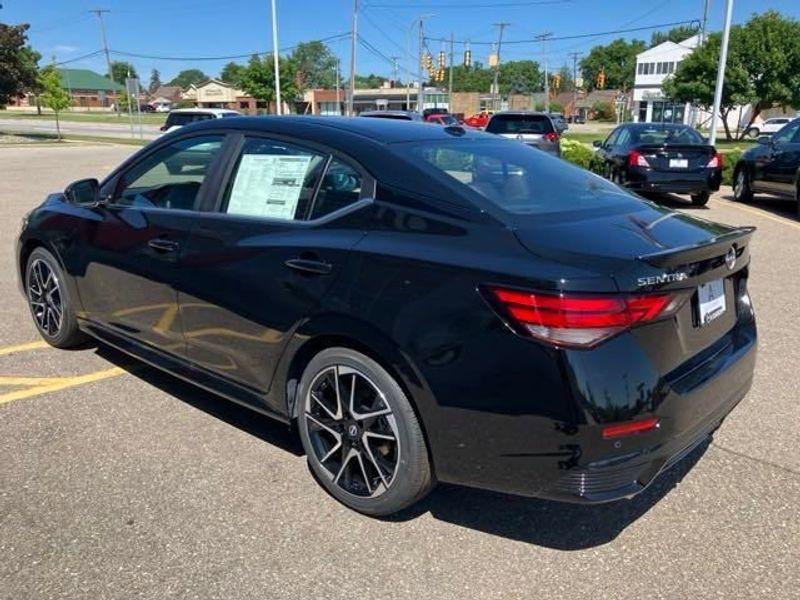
(729, 160)
(604, 111)
(580, 154)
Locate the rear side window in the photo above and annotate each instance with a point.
(520, 124)
(273, 179)
(341, 186)
(181, 119)
(170, 178)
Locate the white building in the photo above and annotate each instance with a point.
(653, 66)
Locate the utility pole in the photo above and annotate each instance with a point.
(99, 12)
(706, 4)
(495, 86)
(421, 89)
(575, 56)
(723, 58)
(544, 37)
(395, 66)
(450, 74)
(276, 60)
(353, 36)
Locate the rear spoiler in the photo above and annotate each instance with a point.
(692, 253)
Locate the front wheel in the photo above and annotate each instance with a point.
(753, 132)
(363, 440)
(700, 199)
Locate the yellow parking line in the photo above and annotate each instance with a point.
(760, 213)
(11, 380)
(66, 382)
(23, 347)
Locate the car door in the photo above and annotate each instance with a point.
(130, 252)
(777, 167)
(606, 150)
(263, 259)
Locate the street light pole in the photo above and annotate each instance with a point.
(420, 90)
(353, 36)
(99, 12)
(495, 83)
(543, 37)
(723, 58)
(338, 86)
(276, 60)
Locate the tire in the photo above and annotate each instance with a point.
(797, 199)
(753, 132)
(352, 455)
(742, 192)
(700, 199)
(46, 290)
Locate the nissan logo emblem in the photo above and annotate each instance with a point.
(730, 258)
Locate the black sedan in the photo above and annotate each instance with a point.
(421, 303)
(661, 158)
(771, 167)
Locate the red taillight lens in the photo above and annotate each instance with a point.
(715, 162)
(629, 428)
(551, 137)
(581, 320)
(637, 159)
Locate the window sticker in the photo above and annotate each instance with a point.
(268, 185)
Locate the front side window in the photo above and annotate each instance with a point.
(785, 135)
(273, 179)
(171, 177)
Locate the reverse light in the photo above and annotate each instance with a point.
(715, 162)
(580, 320)
(629, 428)
(637, 159)
(551, 137)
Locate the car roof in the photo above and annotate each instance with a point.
(387, 131)
(205, 111)
(520, 113)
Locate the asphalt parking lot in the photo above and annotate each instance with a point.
(119, 482)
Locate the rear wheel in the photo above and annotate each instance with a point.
(361, 435)
(700, 199)
(49, 301)
(797, 198)
(742, 192)
(753, 132)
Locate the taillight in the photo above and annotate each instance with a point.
(637, 159)
(551, 137)
(581, 320)
(715, 162)
(629, 428)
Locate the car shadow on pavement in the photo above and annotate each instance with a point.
(556, 525)
(674, 201)
(780, 207)
(264, 428)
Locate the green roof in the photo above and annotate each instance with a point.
(84, 79)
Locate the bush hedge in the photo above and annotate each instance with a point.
(580, 154)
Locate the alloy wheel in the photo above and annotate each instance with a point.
(44, 297)
(352, 430)
(738, 185)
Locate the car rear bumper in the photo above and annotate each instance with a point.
(677, 182)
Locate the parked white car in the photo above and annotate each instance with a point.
(183, 116)
(768, 127)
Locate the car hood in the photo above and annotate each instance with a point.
(621, 243)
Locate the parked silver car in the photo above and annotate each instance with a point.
(533, 129)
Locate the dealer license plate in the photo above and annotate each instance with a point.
(711, 299)
(678, 163)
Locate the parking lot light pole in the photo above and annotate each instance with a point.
(723, 58)
(276, 60)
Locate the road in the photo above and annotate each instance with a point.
(120, 482)
(113, 130)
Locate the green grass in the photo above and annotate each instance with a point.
(73, 137)
(77, 117)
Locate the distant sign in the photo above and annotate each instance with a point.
(494, 60)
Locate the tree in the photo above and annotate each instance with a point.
(518, 77)
(189, 77)
(18, 70)
(676, 34)
(53, 95)
(567, 82)
(232, 73)
(617, 60)
(315, 66)
(155, 81)
(258, 79)
(471, 79)
(120, 70)
(369, 81)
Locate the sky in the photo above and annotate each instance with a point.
(164, 30)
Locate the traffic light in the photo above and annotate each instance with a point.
(557, 81)
(601, 79)
(468, 58)
(442, 59)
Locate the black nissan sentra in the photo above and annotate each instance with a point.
(421, 303)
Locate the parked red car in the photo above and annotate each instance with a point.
(445, 120)
(478, 120)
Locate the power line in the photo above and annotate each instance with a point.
(76, 59)
(576, 37)
(470, 4)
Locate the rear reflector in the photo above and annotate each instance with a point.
(629, 428)
(637, 159)
(715, 162)
(580, 320)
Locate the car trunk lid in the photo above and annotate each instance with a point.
(677, 158)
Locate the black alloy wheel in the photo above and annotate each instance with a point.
(362, 438)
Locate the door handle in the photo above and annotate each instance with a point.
(305, 265)
(163, 246)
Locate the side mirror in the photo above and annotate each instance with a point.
(83, 191)
(764, 140)
(163, 127)
(597, 144)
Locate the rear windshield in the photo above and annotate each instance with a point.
(520, 124)
(666, 135)
(389, 116)
(186, 118)
(514, 177)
